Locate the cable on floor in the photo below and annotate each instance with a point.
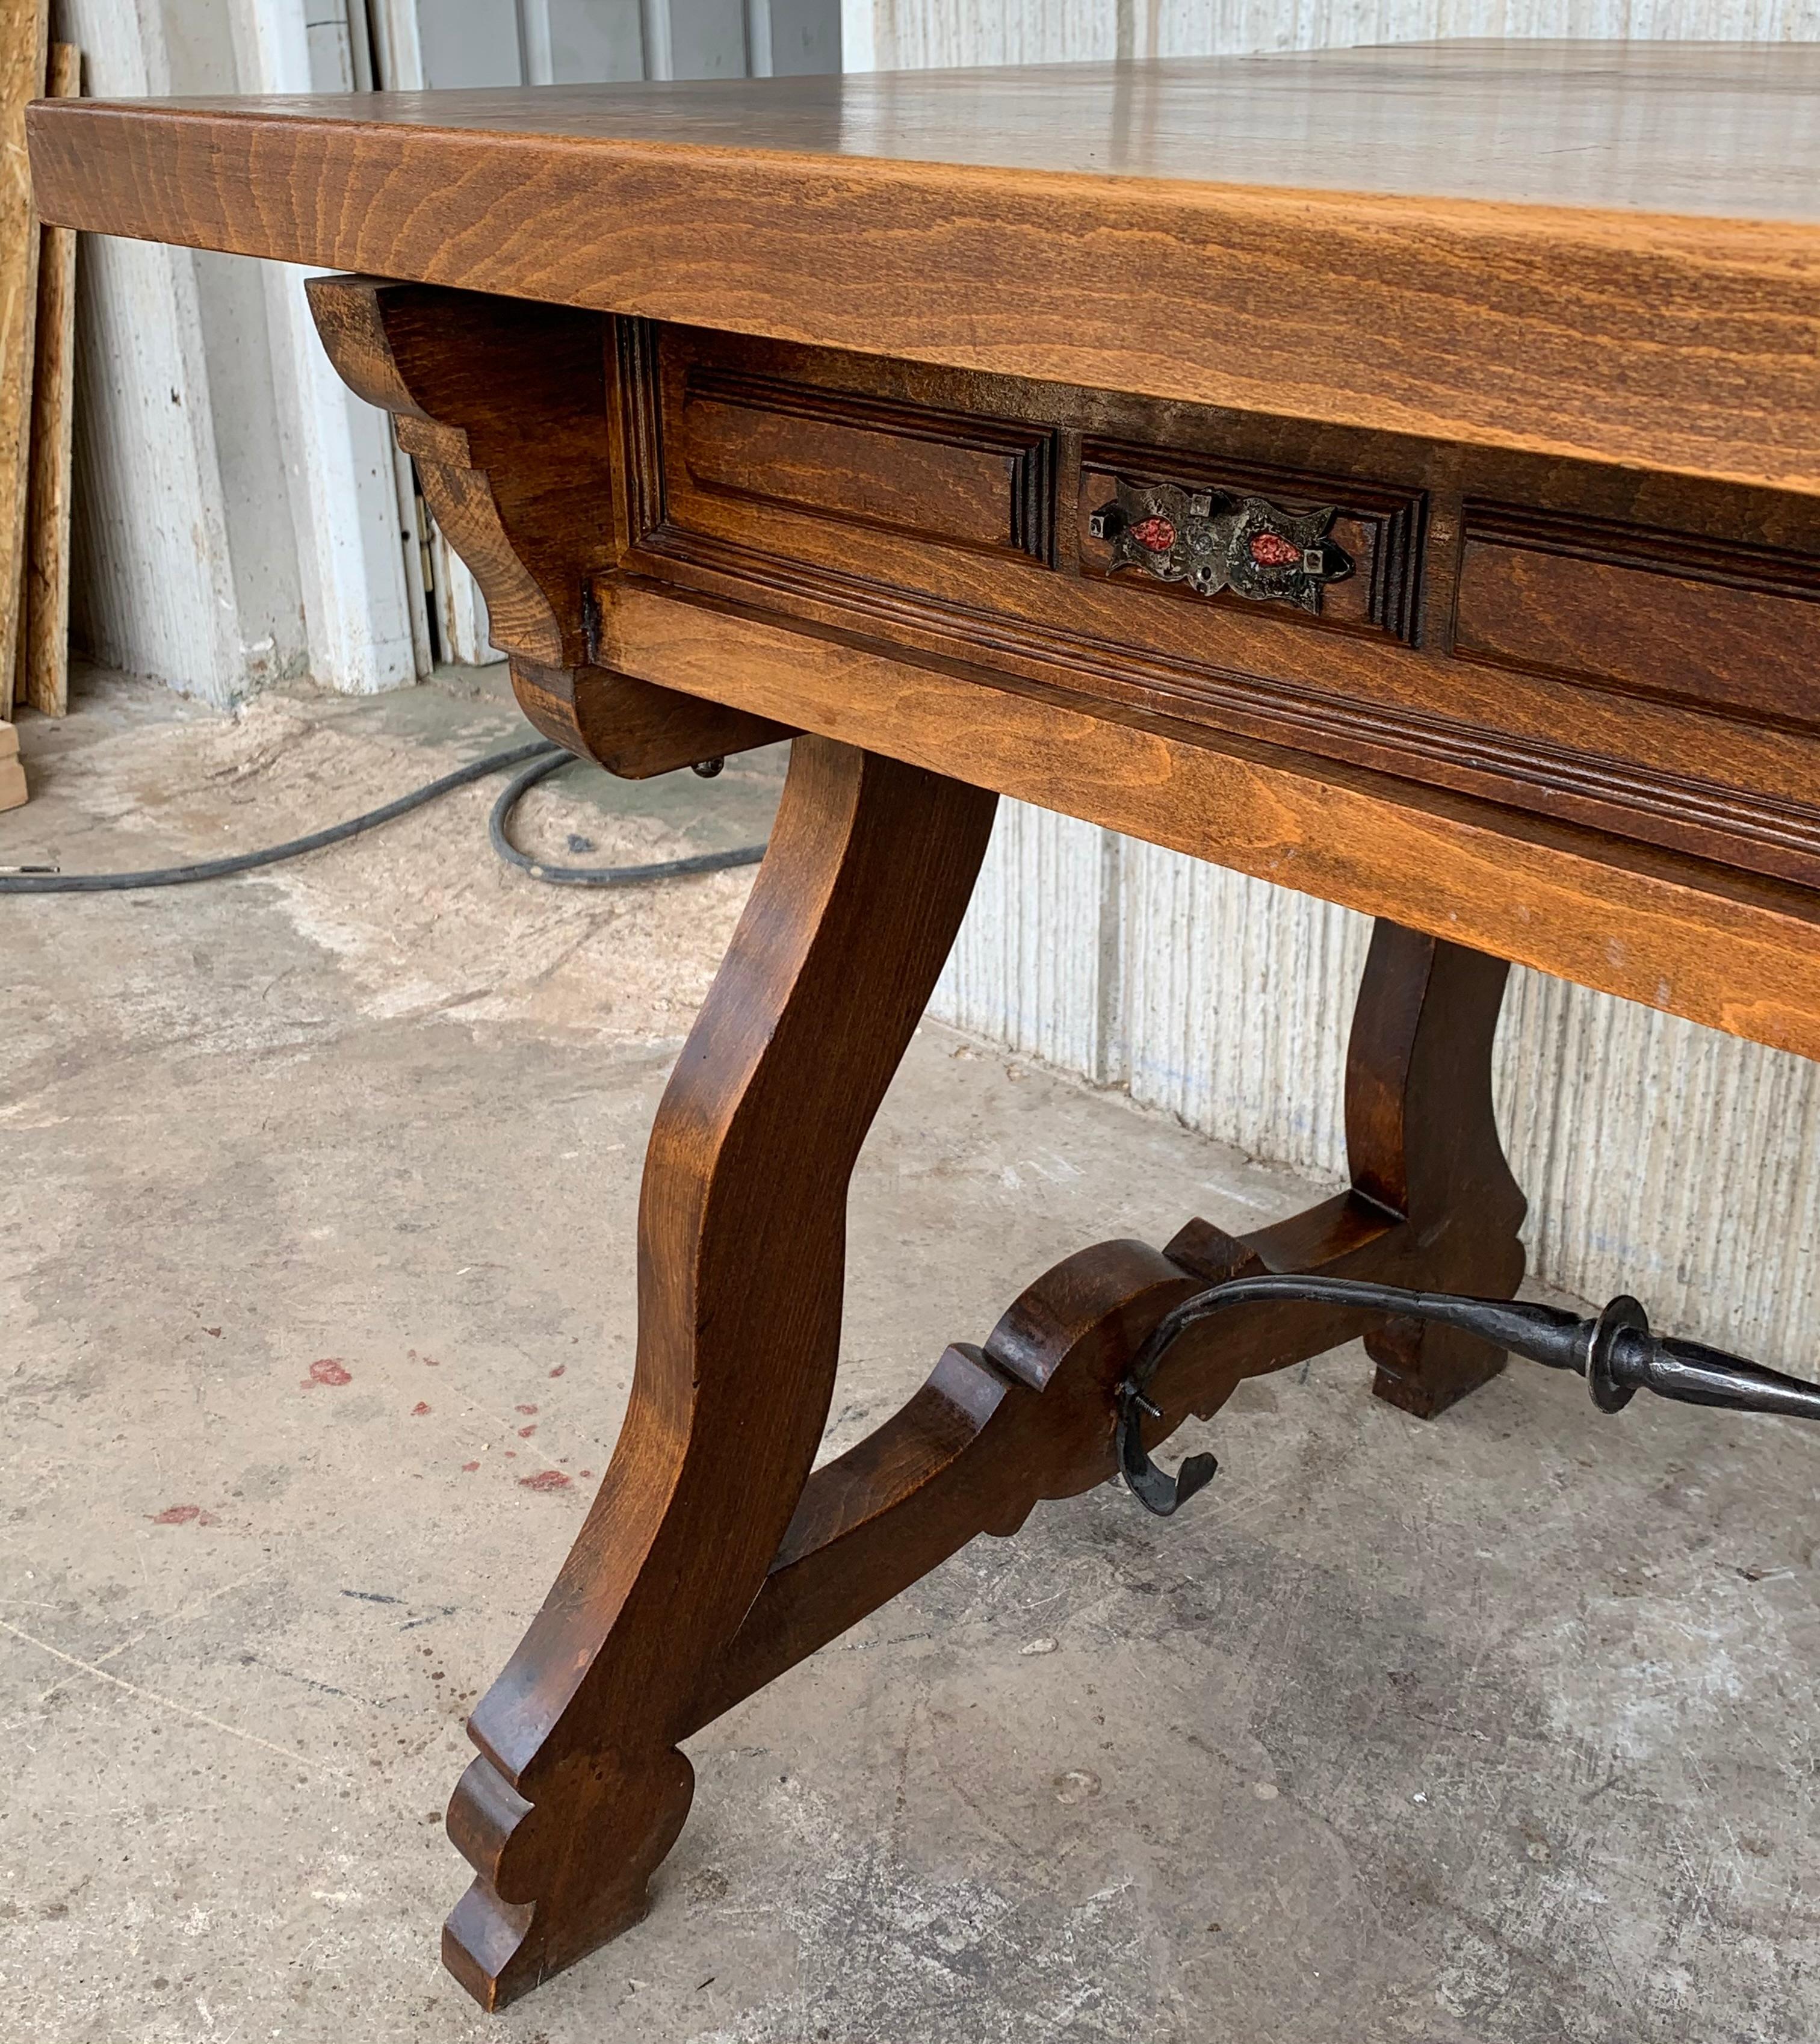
(601, 876)
(545, 758)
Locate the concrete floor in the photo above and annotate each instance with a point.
(316, 1243)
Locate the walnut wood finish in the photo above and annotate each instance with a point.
(1727, 949)
(1654, 685)
(1657, 614)
(504, 407)
(579, 1790)
(1511, 244)
(694, 542)
(712, 1559)
(792, 415)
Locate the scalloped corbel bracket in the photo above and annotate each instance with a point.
(503, 405)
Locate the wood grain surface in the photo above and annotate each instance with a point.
(579, 1789)
(47, 624)
(1600, 250)
(1725, 949)
(12, 774)
(505, 409)
(1653, 680)
(22, 46)
(693, 540)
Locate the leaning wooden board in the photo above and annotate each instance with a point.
(12, 773)
(23, 26)
(45, 665)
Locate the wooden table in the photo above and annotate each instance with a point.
(1393, 473)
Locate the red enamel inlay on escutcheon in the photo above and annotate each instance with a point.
(1271, 550)
(1155, 536)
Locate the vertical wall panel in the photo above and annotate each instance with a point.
(707, 38)
(1030, 968)
(1665, 1159)
(793, 38)
(908, 35)
(338, 460)
(1235, 1011)
(1658, 1157)
(152, 581)
(597, 40)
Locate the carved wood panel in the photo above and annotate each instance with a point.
(1731, 627)
(1632, 653)
(940, 477)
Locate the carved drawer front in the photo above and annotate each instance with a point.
(1350, 598)
(740, 446)
(1689, 620)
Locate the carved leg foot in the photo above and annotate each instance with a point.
(585, 1855)
(579, 1791)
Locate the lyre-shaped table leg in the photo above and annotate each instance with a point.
(579, 1790)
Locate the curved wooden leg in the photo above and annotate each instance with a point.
(579, 1791)
(1423, 1144)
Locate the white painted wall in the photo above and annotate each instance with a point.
(155, 584)
(908, 35)
(1658, 1157)
(240, 517)
(236, 511)
(340, 477)
(420, 44)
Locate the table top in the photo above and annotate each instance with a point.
(1607, 250)
(1727, 130)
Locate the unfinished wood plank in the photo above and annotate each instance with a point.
(12, 773)
(24, 25)
(46, 638)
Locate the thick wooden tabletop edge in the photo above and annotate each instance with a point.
(1685, 344)
(289, 119)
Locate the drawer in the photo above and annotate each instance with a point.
(1732, 628)
(1357, 598)
(912, 471)
(1371, 534)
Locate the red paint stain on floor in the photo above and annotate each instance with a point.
(544, 1480)
(468, 1469)
(527, 1410)
(525, 1433)
(182, 1515)
(559, 1368)
(328, 1370)
(419, 1410)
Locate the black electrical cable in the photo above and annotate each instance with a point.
(546, 758)
(598, 876)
